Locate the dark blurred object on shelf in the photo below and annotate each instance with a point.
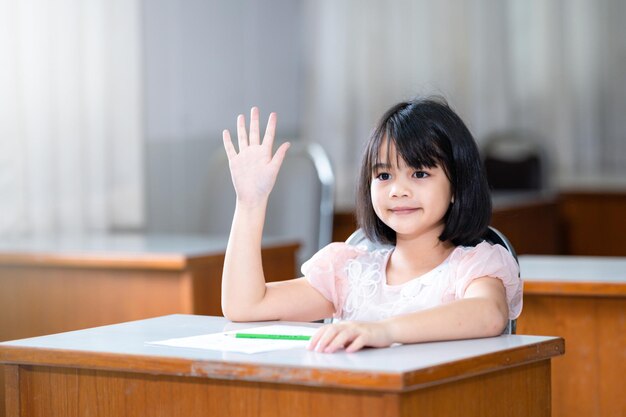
(514, 161)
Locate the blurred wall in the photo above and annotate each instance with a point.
(205, 62)
(555, 70)
(71, 131)
(330, 68)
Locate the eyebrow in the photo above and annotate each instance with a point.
(384, 165)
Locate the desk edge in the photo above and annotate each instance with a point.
(362, 380)
(593, 289)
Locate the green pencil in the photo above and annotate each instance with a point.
(269, 336)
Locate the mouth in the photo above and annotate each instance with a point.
(403, 210)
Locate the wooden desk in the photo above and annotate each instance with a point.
(52, 285)
(594, 222)
(111, 371)
(530, 220)
(582, 299)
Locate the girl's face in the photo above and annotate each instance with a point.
(411, 202)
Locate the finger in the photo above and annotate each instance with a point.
(357, 344)
(228, 145)
(339, 341)
(316, 337)
(242, 136)
(279, 156)
(270, 131)
(327, 337)
(255, 135)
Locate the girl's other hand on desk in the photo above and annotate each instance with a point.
(254, 169)
(352, 336)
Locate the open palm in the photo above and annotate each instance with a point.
(254, 168)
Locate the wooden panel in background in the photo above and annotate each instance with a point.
(593, 367)
(344, 224)
(532, 227)
(595, 223)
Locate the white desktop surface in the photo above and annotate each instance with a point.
(130, 339)
(600, 269)
(135, 245)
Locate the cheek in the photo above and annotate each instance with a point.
(375, 197)
(373, 192)
(446, 200)
(440, 201)
(445, 204)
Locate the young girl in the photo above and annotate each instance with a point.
(422, 194)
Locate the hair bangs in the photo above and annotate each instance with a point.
(416, 143)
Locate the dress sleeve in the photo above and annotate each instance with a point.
(325, 271)
(486, 260)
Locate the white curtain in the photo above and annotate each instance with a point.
(70, 116)
(554, 68)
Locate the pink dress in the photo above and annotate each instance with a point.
(354, 280)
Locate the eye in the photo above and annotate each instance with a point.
(383, 176)
(420, 174)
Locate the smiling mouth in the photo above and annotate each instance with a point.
(403, 210)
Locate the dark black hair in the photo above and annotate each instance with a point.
(426, 133)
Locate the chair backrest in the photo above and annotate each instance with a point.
(495, 237)
(301, 203)
(492, 235)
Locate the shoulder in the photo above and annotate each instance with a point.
(483, 260)
(481, 254)
(487, 260)
(470, 262)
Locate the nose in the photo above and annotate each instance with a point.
(399, 188)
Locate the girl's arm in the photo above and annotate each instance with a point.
(483, 312)
(245, 295)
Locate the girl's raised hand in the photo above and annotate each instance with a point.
(352, 336)
(254, 168)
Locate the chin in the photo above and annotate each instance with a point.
(403, 232)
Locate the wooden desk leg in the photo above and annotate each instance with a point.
(12, 390)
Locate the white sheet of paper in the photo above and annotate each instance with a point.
(223, 342)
